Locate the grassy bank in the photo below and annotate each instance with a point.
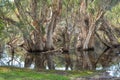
(12, 73)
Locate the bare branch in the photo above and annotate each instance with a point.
(9, 20)
(33, 6)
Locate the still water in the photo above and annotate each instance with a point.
(108, 60)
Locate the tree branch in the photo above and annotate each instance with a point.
(9, 20)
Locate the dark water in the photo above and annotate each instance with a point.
(108, 60)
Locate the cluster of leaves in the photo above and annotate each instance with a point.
(101, 4)
(114, 15)
(1, 27)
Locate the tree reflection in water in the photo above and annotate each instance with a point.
(109, 60)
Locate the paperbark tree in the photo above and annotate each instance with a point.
(33, 17)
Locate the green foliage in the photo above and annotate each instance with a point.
(90, 9)
(1, 3)
(114, 3)
(94, 6)
(97, 3)
(49, 2)
(6, 6)
(2, 25)
(105, 5)
(114, 15)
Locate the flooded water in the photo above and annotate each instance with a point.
(108, 60)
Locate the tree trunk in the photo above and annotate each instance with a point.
(89, 37)
(110, 33)
(49, 34)
(86, 61)
(1, 48)
(79, 60)
(108, 57)
(28, 60)
(84, 24)
(49, 38)
(68, 62)
(91, 31)
(50, 62)
(40, 61)
(66, 40)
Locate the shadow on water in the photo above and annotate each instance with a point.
(108, 60)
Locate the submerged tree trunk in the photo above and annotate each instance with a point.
(40, 61)
(68, 62)
(108, 57)
(49, 40)
(79, 60)
(50, 61)
(28, 60)
(1, 48)
(49, 34)
(86, 61)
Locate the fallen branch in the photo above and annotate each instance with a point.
(102, 40)
(60, 50)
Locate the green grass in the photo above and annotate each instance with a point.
(13, 73)
(8, 73)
